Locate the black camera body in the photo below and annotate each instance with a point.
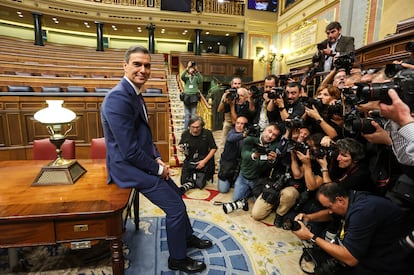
(322, 45)
(261, 149)
(345, 61)
(330, 152)
(252, 130)
(403, 83)
(299, 147)
(290, 224)
(193, 63)
(296, 122)
(277, 92)
(232, 94)
(356, 124)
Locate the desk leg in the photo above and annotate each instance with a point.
(117, 257)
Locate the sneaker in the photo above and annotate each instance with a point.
(186, 186)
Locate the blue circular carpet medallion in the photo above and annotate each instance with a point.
(147, 249)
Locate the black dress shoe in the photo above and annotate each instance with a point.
(194, 241)
(187, 265)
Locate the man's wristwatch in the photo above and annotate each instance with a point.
(319, 121)
(281, 108)
(313, 239)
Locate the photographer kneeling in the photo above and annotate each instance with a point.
(372, 227)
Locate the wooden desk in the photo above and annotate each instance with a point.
(76, 214)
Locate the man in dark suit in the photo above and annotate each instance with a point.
(335, 45)
(133, 161)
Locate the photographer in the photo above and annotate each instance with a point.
(257, 155)
(198, 166)
(230, 158)
(281, 190)
(372, 227)
(191, 95)
(289, 103)
(335, 45)
(224, 107)
(324, 113)
(265, 106)
(242, 104)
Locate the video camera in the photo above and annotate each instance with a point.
(403, 84)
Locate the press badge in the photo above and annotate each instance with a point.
(190, 86)
(263, 157)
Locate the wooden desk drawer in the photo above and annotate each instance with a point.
(27, 233)
(78, 230)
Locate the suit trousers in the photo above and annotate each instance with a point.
(166, 195)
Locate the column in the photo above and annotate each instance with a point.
(241, 44)
(99, 36)
(151, 42)
(197, 42)
(38, 36)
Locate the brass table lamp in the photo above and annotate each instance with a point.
(58, 121)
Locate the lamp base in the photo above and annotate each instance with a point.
(59, 174)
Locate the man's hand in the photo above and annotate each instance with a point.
(398, 111)
(303, 233)
(380, 136)
(165, 172)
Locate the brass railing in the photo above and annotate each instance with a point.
(209, 6)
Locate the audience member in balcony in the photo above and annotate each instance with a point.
(192, 79)
(133, 160)
(230, 158)
(199, 147)
(335, 45)
(224, 107)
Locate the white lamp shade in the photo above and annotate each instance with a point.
(54, 113)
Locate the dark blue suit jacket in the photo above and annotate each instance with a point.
(131, 153)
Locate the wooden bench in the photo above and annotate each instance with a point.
(7, 67)
(37, 82)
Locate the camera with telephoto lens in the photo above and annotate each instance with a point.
(232, 94)
(277, 92)
(354, 123)
(256, 92)
(252, 130)
(403, 84)
(296, 122)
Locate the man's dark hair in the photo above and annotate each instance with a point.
(135, 49)
(333, 25)
(272, 76)
(332, 190)
(294, 84)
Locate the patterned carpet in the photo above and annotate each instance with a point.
(241, 244)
